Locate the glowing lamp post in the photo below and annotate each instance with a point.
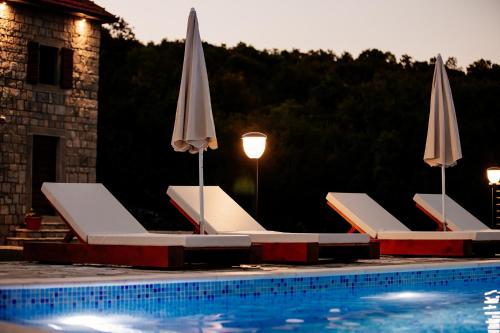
(493, 175)
(254, 145)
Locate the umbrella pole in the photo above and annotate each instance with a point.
(443, 191)
(202, 198)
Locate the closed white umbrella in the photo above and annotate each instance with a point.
(194, 128)
(442, 147)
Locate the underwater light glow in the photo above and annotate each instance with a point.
(405, 296)
(96, 322)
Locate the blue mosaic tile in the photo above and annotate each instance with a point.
(151, 295)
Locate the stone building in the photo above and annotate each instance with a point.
(49, 75)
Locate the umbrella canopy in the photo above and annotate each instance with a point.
(442, 147)
(194, 128)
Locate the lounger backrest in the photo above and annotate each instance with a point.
(364, 212)
(90, 209)
(222, 213)
(457, 218)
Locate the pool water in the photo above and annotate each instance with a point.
(452, 309)
(466, 305)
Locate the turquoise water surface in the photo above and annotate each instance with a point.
(466, 305)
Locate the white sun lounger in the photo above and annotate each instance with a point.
(367, 216)
(224, 216)
(457, 217)
(109, 234)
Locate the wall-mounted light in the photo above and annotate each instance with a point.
(3, 9)
(254, 145)
(3, 119)
(81, 26)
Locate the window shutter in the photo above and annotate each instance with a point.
(66, 81)
(33, 60)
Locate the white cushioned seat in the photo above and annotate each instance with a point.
(90, 209)
(268, 236)
(343, 238)
(365, 213)
(98, 218)
(150, 239)
(223, 215)
(293, 237)
(426, 235)
(373, 219)
(457, 218)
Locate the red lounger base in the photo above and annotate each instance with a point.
(437, 247)
(350, 251)
(299, 253)
(309, 253)
(141, 256)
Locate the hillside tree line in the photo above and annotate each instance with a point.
(334, 123)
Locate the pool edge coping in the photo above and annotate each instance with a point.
(237, 275)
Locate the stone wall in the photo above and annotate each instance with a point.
(38, 109)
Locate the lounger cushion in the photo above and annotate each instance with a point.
(441, 235)
(90, 209)
(277, 237)
(291, 237)
(150, 239)
(343, 238)
(364, 212)
(457, 218)
(222, 213)
(486, 235)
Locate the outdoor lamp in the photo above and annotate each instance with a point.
(81, 26)
(254, 144)
(3, 9)
(493, 175)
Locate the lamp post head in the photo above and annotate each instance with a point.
(493, 175)
(254, 144)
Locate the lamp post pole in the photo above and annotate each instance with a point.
(493, 206)
(256, 188)
(254, 145)
(493, 175)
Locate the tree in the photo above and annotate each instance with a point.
(120, 29)
(334, 123)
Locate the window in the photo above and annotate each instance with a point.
(50, 65)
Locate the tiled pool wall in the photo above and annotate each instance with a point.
(140, 294)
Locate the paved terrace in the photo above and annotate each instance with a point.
(29, 273)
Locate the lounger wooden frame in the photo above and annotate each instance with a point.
(171, 257)
(77, 251)
(305, 253)
(427, 247)
(492, 245)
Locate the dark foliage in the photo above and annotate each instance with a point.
(334, 123)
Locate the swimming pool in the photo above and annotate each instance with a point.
(450, 299)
